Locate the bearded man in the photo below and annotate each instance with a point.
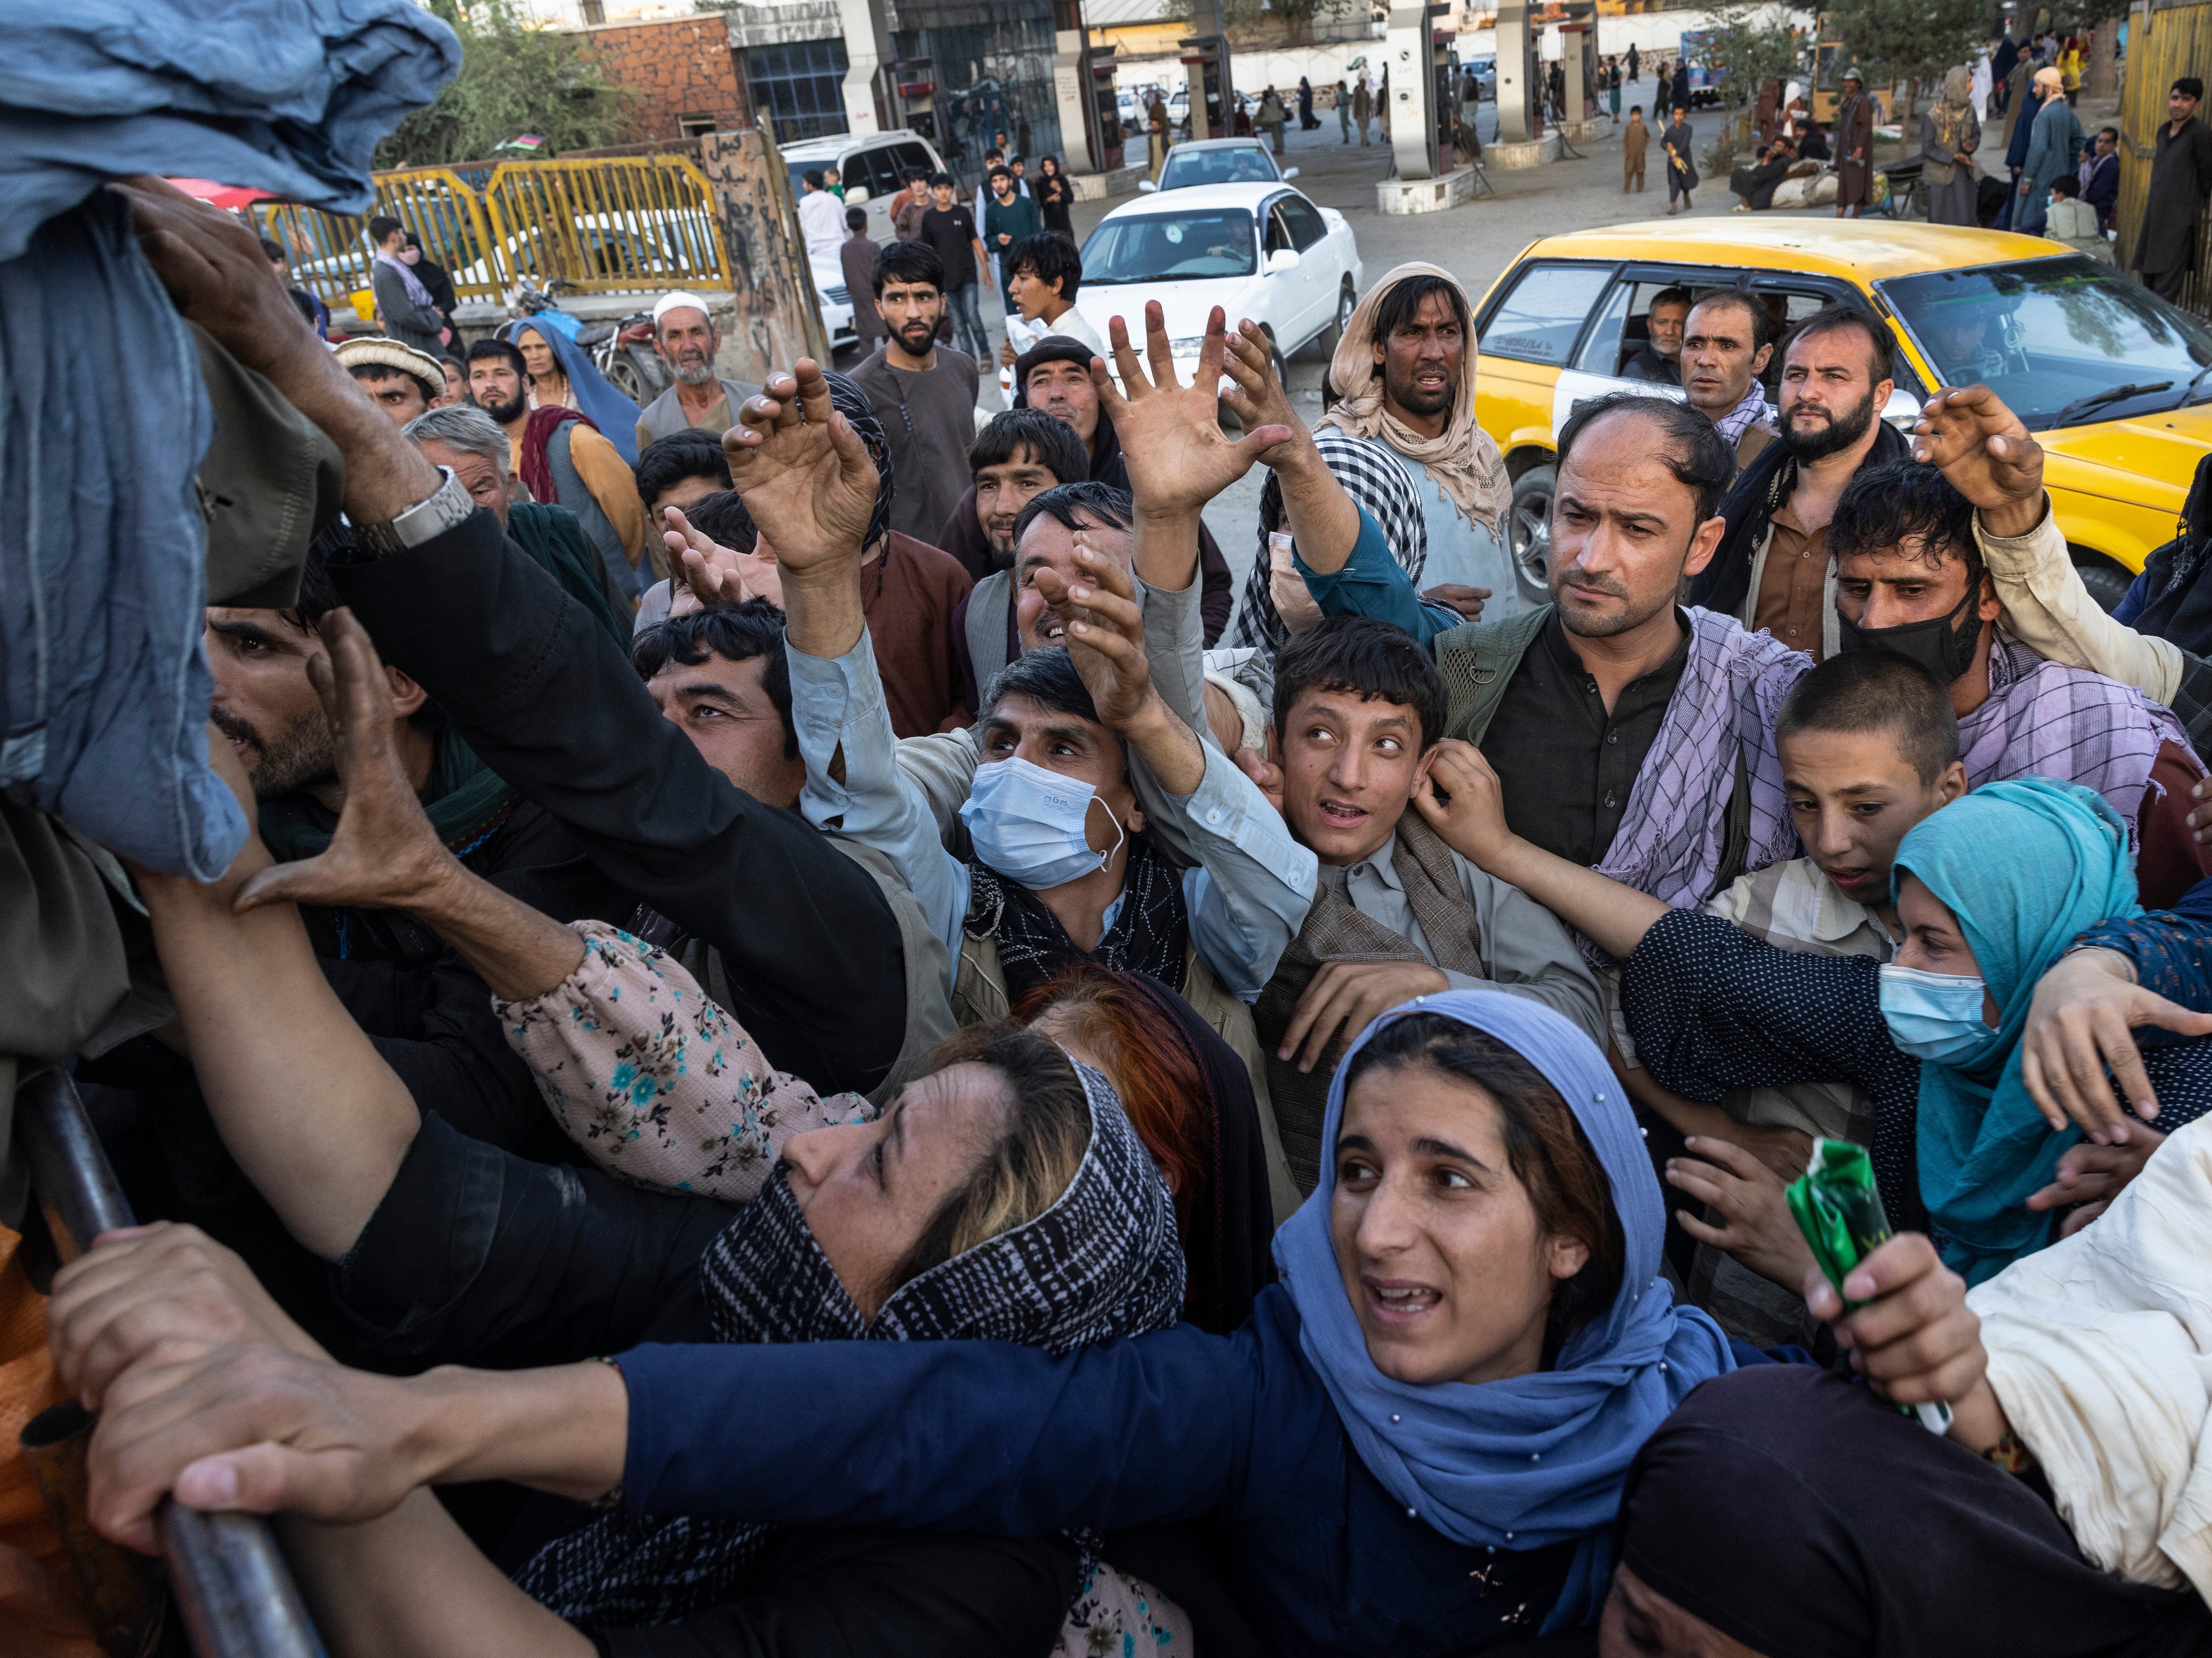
(1772, 571)
(686, 336)
(1403, 441)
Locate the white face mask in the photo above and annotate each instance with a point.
(1029, 825)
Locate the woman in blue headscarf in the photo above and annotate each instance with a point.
(1416, 1445)
(570, 377)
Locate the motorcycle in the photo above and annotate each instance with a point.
(620, 350)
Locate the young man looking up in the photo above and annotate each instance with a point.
(1358, 709)
(1724, 350)
(1003, 616)
(1011, 217)
(950, 230)
(1772, 572)
(685, 335)
(924, 392)
(1660, 361)
(1043, 272)
(400, 380)
(1020, 453)
(401, 300)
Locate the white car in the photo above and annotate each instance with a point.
(1218, 161)
(1260, 250)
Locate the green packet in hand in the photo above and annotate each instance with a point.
(1839, 1210)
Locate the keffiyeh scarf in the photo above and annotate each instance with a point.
(1102, 1262)
(1151, 933)
(1750, 412)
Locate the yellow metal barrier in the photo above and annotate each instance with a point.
(640, 223)
(2164, 44)
(635, 223)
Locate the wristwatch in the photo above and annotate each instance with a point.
(447, 506)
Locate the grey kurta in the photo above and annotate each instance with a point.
(1855, 151)
(1952, 199)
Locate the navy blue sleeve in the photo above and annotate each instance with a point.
(1371, 583)
(2138, 593)
(2172, 949)
(966, 1436)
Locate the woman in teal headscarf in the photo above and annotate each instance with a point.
(1992, 891)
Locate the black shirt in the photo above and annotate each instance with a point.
(1649, 365)
(951, 232)
(1565, 765)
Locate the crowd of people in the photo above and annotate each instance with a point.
(824, 1042)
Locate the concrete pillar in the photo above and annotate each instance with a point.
(1520, 95)
(867, 49)
(1078, 147)
(1410, 50)
(1571, 107)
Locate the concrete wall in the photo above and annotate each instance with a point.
(679, 67)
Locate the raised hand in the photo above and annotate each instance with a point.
(714, 574)
(2078, 1024)
(1259, 399)
(385, 854)
(1914, 1339)
(1105, 631)
(1460, 798)
(1171, 438)
(803, 472)
(218, 276)
(1973, 440)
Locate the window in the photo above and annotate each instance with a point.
(1170, 247)
(1540, 319)
(1602, 352)
(874, 171)
(695, 126)
(1307, 226)
(1278, 229)
(912, 157)
(801, 86)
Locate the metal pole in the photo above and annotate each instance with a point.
(232, 1585)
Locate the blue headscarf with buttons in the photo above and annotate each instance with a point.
(1532, 1460)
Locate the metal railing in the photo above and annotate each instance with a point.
(620, 224)
(2165, 42)
(231, 1584)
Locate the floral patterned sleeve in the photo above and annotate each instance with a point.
(654, 1080)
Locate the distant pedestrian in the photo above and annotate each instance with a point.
(1362, 107)
(821, 217)
(1382, 107)
(1949, 135)
(2180, 179)
(1635, 139)
(909, 205)
(857, 258)
(1681, 167)
(1635, 71)
(1555, 89)
(1307, 119)
(1010, 218)
(1156, 134)
(1681, 100)
(2100, 176)
(1271, 117)
(949, 228)
(1613, 90)
(1344, 111)
(1855, 119)
(2053, 147)
(1055, 197)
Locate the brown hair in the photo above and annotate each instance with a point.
(1152, 1065)
(1041, 1144)
(1545, 1146)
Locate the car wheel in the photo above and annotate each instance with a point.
(2108, 582)
(1528, 526)
(1347, 303)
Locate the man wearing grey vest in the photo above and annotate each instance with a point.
(685, 335)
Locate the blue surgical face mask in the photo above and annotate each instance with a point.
(1934, 1015)
(1028, 824)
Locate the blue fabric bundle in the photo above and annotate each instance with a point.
(289, 96)
(103, 418)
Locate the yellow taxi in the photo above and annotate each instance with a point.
(2115, 382)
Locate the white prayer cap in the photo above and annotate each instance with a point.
(676, 300)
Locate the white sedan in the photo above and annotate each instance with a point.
(1260, 250)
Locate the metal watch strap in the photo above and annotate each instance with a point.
(449, 504)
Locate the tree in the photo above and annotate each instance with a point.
(1913, 41)
(514, 80)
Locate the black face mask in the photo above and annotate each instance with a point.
(1943, 645)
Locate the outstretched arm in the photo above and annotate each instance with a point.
(1322, 517)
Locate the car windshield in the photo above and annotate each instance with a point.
(1170, 247)
(2053, 337)
(1217, 167)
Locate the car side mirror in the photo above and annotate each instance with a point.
(1282, 259)
(856, 198)
(1290, 173)
(1147, 185)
